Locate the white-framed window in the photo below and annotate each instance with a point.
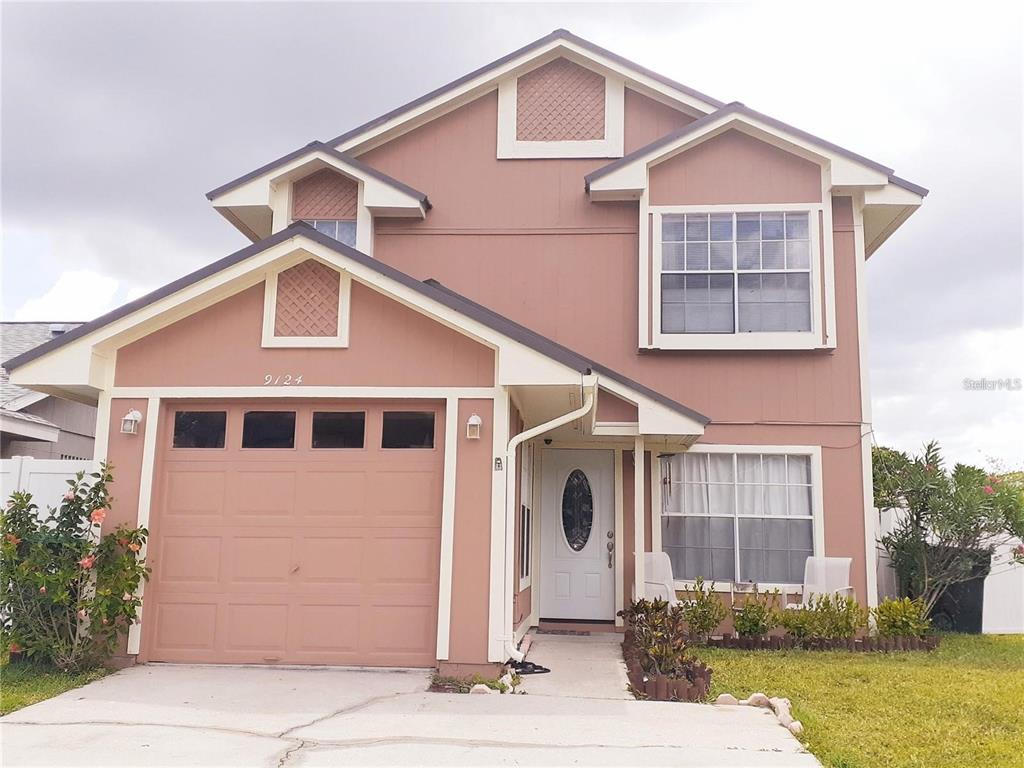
(342, 230)
(745, 514)
(735, 272)
(526, 518)
(736, 277)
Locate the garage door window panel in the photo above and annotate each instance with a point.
(339, 429)
(268, 429)
(199, 429)
(407, 429)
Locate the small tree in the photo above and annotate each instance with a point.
(949, 522)
(68, 593)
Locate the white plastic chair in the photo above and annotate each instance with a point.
(658, 579)
(825, 576)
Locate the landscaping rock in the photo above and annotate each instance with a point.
(481, 688)
(757, 700)
(796, 727)
(782, 710)
(726, 698)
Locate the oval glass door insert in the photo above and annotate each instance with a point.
(577, 510)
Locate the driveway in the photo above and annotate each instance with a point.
(250, 716)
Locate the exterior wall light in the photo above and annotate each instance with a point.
(473, 427)
(130, 422)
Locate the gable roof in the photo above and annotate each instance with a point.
(738, 108)
(558, 34)
(430, 288)
(451, 89)
(319, 146)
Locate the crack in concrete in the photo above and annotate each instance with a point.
(350, 709)
(287, 754)
(307, 743)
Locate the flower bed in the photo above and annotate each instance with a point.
(787, 642)
(655, 650)
(693, 686)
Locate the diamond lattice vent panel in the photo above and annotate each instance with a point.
(325, 194)
(560, 101)
(307, 300)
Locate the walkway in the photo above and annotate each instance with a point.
(586, 667)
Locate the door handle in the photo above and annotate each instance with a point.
(611, 553)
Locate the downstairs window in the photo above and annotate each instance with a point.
(745, 517)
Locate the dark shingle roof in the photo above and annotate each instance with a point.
(431, 289)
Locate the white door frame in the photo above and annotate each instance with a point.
(611, 515)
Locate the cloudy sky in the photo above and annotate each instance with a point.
(116, 119)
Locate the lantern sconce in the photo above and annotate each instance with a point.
(473, 427)
(130, 422)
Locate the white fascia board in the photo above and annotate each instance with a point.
(653, 418)
(891, 194)
(27, 430)
(378, 196)
(84, 360)
(488, 81)
(631, 178)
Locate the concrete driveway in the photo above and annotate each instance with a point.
(249, 716)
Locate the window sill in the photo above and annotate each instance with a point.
(740, 341)
(722, 587)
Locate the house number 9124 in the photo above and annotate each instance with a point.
(282, 379)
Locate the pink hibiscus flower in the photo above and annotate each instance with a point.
(98, 515)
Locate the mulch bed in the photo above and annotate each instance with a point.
(868, 644)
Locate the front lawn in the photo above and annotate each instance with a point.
(954, 707)
(24, 683)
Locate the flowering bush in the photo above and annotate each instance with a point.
(68, 593)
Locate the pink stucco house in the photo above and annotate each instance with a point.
(483, 351)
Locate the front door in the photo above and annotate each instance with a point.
(578, 535)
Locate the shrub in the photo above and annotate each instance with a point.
(901, 618)
(659, 638)
(68, 593)
(757, 616)
(825, 617)
(836, 618)
(703, 612)
(798, 623)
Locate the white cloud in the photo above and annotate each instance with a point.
(77, 295)
(920, 395)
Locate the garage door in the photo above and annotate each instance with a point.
(296, 533)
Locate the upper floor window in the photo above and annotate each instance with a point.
(342, 230)
(746, 272)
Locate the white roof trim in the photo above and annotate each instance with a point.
(379, 197)
(630, 179)
(485, 82)
(11, 424)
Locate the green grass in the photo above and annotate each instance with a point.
(24, 683)
(955, 707)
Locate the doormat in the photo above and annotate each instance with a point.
(573, 632)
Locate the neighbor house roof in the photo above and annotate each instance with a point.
(16, 338)
(737, 108)
(430, 288)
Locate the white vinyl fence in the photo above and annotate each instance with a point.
(1003, 607)
(45, 479)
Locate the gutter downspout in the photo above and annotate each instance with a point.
(511, 476)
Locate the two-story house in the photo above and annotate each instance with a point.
(482, 352)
